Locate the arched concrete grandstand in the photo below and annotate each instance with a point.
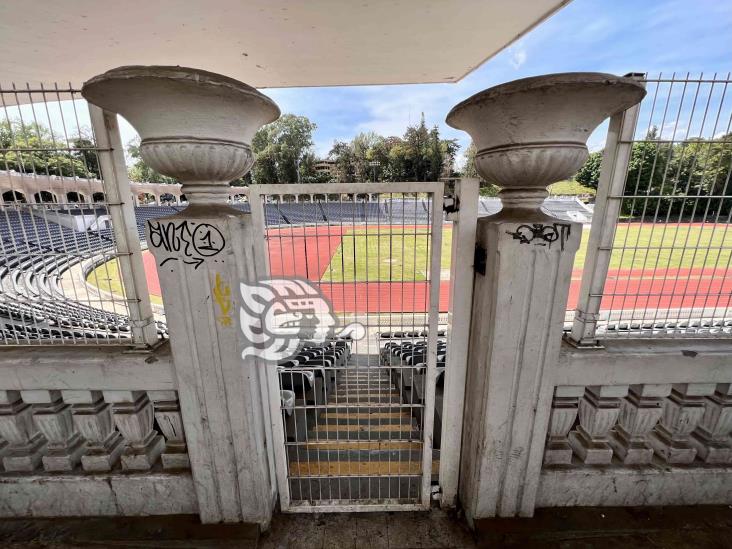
(44, 298)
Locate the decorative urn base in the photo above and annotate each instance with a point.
(195, 126)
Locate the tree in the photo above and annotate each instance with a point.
(421, 155)
(661, 175)
(308, 173)
(469, 170)
(282, 146)
(345, 160)
(140, 171)
(33, 148)
(589, 173)
(86, 154)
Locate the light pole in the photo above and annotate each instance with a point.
(374, 164)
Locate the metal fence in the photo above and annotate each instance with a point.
(660, 231)
(64, 249)
(357, 410)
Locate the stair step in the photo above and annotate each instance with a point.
(356, 407)
(359, 468)
(375, 398)
(365, 419)
(309, 455)
(341, 435)
(358, 427)
(363, 445)
(361, 385)
(353, 489)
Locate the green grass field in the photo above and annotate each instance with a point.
(379, 256)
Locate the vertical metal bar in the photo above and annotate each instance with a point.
(431, 372)
(613, 170)
(121, 211)
(270, 384)
(273, 412)
(458, 336)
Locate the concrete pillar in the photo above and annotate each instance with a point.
(221, 401)
(529, 134)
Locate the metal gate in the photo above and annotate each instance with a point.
(357, 269)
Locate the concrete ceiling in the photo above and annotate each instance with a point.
(265, 43)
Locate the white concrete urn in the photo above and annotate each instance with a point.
(196, 126)
(533, 132)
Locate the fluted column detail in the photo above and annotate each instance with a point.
(682, 412)
(93, 420)
(134, 416)
(563, 415)
(170, 422)
(598, 412)
(52, 417)
(711, 437)
(26, 443)
(639, 414)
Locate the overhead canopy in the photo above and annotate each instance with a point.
(265, 43)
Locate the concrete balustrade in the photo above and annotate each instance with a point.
(90, 431)
(640, 425)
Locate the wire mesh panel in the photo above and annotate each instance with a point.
(669, 265)
(356, 396)
(59, 278)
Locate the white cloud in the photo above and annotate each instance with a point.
(518, 55)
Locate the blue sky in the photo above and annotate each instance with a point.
(616, 36)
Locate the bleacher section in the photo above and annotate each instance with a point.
(568, 208)
(35, 252)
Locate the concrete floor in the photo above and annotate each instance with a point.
(672, 527)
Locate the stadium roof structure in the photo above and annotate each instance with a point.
(265, 43)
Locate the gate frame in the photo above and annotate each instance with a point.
(272, 391)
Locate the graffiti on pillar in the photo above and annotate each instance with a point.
(539, 234)
(197, 241)
(222, 296)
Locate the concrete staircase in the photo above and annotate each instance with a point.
(363, 446)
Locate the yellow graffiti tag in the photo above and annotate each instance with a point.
(222, 295)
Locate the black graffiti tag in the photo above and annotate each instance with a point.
(195, 240)
(539, 234)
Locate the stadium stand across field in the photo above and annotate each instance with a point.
(37, 252)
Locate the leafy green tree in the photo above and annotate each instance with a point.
(32, 148)
(282, 146)
(664, 179)
(345, 160)
(421, 155)
(469, 169)
(589, 173)
(308, 173)
(140, 171)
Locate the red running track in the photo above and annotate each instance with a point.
(307, 251)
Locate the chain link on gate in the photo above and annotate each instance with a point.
(354, 419)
